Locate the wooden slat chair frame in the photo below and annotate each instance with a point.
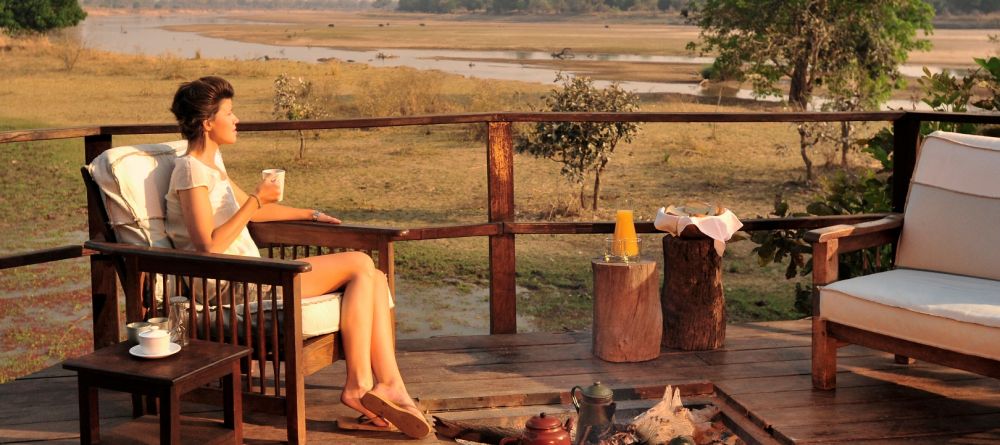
(274, 374)
(827, 336)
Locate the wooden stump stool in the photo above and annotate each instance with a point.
(694, 308)
(627, 317)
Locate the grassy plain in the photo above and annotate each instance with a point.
(402, 177)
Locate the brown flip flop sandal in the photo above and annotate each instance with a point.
(362, 423)
(408, 422)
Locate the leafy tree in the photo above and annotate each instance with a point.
(27, 16)
(292, 101)
(814, 43)
(582, 147)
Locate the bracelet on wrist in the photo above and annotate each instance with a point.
(259, 205)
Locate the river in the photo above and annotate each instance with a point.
(144, 34)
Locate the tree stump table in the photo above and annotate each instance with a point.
(627, 317)
(694, 307)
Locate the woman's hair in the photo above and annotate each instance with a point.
(198, 101)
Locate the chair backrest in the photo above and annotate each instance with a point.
(953, 207)
(133, 182)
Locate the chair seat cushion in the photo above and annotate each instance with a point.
(320, 314)
(952, 312)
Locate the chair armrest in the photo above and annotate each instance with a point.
(829, 242)
(825, 234)
(322, 234)
(186, 262)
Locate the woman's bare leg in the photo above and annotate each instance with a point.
(383, 351)
(356, 270)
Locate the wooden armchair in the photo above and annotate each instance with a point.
(254, 302)
(941, 303)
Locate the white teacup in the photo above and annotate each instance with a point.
(154, 342)
(279, 176)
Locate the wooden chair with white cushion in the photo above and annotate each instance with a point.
(236, 298)
(941, 302)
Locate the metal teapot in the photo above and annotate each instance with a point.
(596, 411)
(542, 430)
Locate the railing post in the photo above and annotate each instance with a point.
(500, 178)
(103, 284)
(906, 135)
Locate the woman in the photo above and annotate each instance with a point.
(208, 212)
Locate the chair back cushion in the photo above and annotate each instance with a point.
(133, 181)
(953, 206)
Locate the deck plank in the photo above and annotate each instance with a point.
(763, 373)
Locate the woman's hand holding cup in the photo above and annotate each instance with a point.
(270, 189)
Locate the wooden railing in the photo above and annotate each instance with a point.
(501, 226)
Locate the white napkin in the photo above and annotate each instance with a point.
(720, 227)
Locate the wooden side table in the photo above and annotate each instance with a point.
(627, 316)
(694, 307)
(166, 379)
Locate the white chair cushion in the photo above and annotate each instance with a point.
(133, 181)
(320, 314)
(953, 207)
(952, 312)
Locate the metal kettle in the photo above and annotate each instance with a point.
(542, 430)
(595, 408)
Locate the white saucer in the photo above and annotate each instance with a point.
(138, 352)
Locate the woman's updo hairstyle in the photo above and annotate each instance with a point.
(198, 101)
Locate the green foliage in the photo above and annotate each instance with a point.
(810, 42)
(293, 101)
(39, 16)
(988, 77)
(582, 147)
(945, 92)
(850, 48)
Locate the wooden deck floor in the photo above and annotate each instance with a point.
(761, 377)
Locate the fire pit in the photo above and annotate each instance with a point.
(490, 419)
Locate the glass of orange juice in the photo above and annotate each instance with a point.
(621, 250)
(624, 244)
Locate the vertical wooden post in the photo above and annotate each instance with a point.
(500, 178)
(906, 135)
(295, 383)
(103, 287)
(824, 347)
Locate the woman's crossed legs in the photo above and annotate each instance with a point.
(365, 326)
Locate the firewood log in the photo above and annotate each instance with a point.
(454, 429)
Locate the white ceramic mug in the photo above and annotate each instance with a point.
(154, 342)
(279, 177)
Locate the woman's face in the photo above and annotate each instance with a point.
(222, 127)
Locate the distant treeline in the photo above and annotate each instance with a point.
(228, 4)
(965, 6)
(539, 6)
(487, 6)
(584, 6)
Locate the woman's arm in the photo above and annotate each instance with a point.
(197, 212)
(278, 212)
